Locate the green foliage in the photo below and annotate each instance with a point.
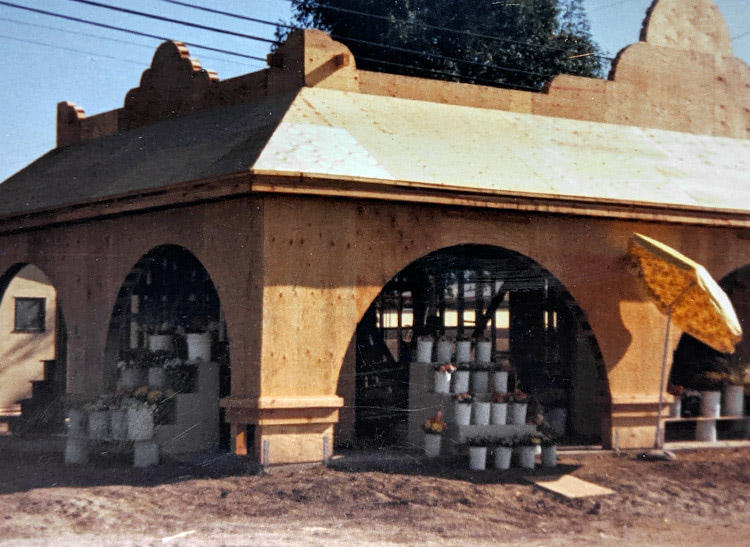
(542, 38)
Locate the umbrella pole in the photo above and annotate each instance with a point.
(658, 437)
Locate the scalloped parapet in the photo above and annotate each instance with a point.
(692, 25)
(175, 85)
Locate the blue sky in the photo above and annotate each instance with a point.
(47, 60)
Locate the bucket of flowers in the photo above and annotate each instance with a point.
(98, 418)
(181, 377)
(444, 350)
(147, 408)
(498, 409)
(462, 408)
(132, 373)
(500, 376)
(503, 451)
(424, 349)
(433, 434)
(549, 449)
(678, 392)
(480, 377)
(526, 450)
(443, 375)
(463, 349)
(461, 377)
(478, 452)
(483, 350)
(519, 403)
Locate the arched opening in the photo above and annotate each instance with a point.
(167, 330)
(478, 291)
(697, 367)
(33, 347)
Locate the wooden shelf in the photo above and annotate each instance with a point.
(706, 419)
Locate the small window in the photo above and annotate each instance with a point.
(30, 315)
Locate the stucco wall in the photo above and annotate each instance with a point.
(22, 353)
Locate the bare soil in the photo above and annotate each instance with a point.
(701, 498)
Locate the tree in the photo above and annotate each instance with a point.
(507, 43)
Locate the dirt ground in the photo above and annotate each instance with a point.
(700, 498)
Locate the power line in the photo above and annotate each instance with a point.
(129, 31)
(375, 44)
(55, 46)
(444, 29)
(229, 14)
(99, 37)
(176, 21)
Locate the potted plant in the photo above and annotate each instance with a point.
(424, 349)
(498, 409)
(98, 418)
(463, 349)
(444, 350)
(462, 377)
(733, 392)
(526, 450)
(500, 376)
(549, 449)
(709, 384)
(518, 405)
(484, 349)
(198, 340)
(155, 373)
(181, 376)
(480, 378)
(433, 434)
(480, 411)
(462, 408)
(678, 393)
(503, 451)
(478, 453)
(443, 378)
(132, 374)
(160, 336)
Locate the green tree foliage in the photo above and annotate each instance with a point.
(508, 43)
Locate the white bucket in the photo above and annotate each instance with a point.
(499, 413)
(76, 450)
(198, 346)
(145, 453)
(484, 352)
(500, 381)
(481, 413)
(444, 351)
(432, 445)
(461, 381)
(157, 377)
(98, 427)
(676, 407)
(517, 413)
(463, 351)
(502, 457)
(463, 413)
(76, 423)
(733, 401)
(160, 342)
(549, 456)
(132, 378)
(477, 458)
(424, 350)
(140, 424)
(526, 456)
(710, 404)
(118, 424)
(480, 381)
(705, 430)
(442, 382)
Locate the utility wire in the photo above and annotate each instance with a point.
(442, 29)
(366, 42)
(176, 21)
(121, 29)
(55, 46)
(229, 14)
(99, 37)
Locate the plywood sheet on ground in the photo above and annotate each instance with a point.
(569, 486)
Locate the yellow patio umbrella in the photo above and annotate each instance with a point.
(691, 298)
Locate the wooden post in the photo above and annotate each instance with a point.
(239, 438)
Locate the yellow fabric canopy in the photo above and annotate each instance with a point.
(684, 289)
